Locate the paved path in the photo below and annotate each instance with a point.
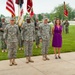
(64, 66)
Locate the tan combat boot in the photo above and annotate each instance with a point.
(27, 59)
(44, 58)
(13, 62)
(10, 62)
(30, 60)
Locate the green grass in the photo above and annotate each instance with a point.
(68, 46)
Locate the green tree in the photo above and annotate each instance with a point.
(2, 15)
(59, 12)
(40, 17)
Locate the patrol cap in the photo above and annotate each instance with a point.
(27, 17)
(44, 18)
(3, 18)
(11, 19)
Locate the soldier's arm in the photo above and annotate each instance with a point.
(1, 26)
(33, 28)
(5, 33)
(18, 32)
(40, 29)
(50, 32)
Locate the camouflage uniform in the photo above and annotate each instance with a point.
(27, 36)
(66, 27)
(0, 35)
(11, 36)
(37, 33)
(45, 31)
(3, 42)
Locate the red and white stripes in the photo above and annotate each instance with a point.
(10, 7)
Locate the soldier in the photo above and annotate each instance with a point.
(45, 31)
(37, 33)
(66, 26)
(0, 34)
(3, 42)
(11, 33)
(27, 36)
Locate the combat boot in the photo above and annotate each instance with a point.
(44, 58)
(30, 60)
(27, 59)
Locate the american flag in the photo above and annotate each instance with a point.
(30, 7)
(10, 7)
(20, 11)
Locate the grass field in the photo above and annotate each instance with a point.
(68, 46)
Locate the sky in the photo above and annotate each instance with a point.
(39, 6)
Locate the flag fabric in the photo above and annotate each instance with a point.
(20, 11)
(30, 8)
(32, 13)
(19, 2)
(10, 7)
(65, 10)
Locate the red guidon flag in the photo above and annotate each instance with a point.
(65, 10)
(10, 7)
(30, 8)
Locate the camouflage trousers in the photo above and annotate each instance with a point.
(12, 49)
(37, 39)
(66, 30)
(20, 42)
(28, 46)
(45, 46)
(2, 43)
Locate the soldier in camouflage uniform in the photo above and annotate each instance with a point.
(3, 42)
(45, 31)
(0, 34)
(27, 36)
(11, 38)
(37, 33)
(66, 26)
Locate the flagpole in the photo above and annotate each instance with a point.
(18, 16)
(18, 12)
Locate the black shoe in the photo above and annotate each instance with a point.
(59, 57)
